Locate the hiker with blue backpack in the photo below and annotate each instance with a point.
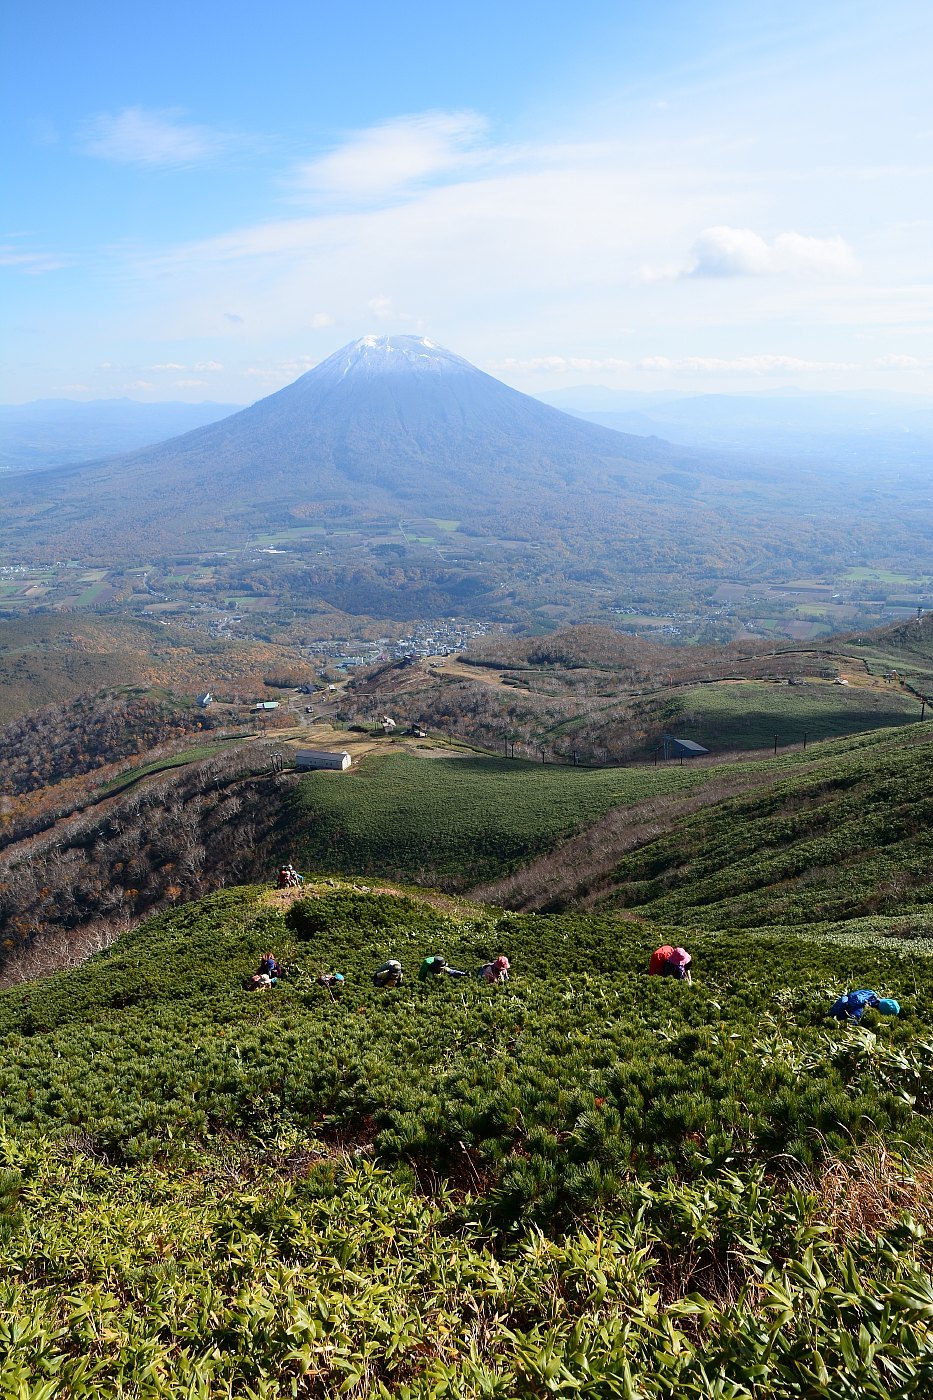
(851, 1006)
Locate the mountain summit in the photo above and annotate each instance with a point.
(392, 354)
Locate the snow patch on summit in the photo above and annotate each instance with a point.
(374, 355)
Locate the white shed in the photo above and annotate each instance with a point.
(320, 758)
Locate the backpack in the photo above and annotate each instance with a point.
(851, 1006)
(658, 959)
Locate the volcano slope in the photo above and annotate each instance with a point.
(585, 1182)
(548, 505)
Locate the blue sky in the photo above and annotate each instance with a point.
(203, 200)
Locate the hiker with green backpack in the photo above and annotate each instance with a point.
(437, 966)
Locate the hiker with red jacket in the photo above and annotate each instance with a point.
(670, 962)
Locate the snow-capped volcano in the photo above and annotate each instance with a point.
(393, 354)
(387, 423)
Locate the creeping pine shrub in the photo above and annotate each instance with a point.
(550, 1092)
(584, 1182)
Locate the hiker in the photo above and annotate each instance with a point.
(390, 974)
(333, 981)
(495, 971)
(269, 966)
(435, 966)
(294, 879)
(283, 878)
(851, 1006)
(267, 976)
(671, 962)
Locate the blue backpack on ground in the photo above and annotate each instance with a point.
(851, 1006)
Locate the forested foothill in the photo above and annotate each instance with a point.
(66, 740)
(53, 657)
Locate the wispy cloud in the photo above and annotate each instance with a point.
(558, 364)
(33, 263)
(394, 155)
(895, 362)
(691, 364)
(741, 364)
(137, 136)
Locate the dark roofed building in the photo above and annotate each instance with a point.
(681, 748)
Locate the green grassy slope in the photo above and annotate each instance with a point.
(848, 835)
(907, 647)
(470, 822)
(190, 1202)
(749, 715)
(458, 820)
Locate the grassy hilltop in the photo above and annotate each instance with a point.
(584, 1183)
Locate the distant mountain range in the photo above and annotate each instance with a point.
(56, 432)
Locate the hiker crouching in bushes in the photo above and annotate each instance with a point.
(333, 981)
(495, 971)
(435, 966)
(671, 962)
(268, 975)
(390, 974)
(851, 1006)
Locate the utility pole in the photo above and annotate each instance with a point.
(775, 746)
(804, 743)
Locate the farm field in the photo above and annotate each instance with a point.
(591, 1184)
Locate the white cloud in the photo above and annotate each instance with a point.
(394, 155)
(558, 364)
(740, 364)
(723, 251)
(899, 362)
(187, 383)
(136, 136)
(204, 365)
(168, 366)
(320, 320)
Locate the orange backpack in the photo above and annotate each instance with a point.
(658, 959)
